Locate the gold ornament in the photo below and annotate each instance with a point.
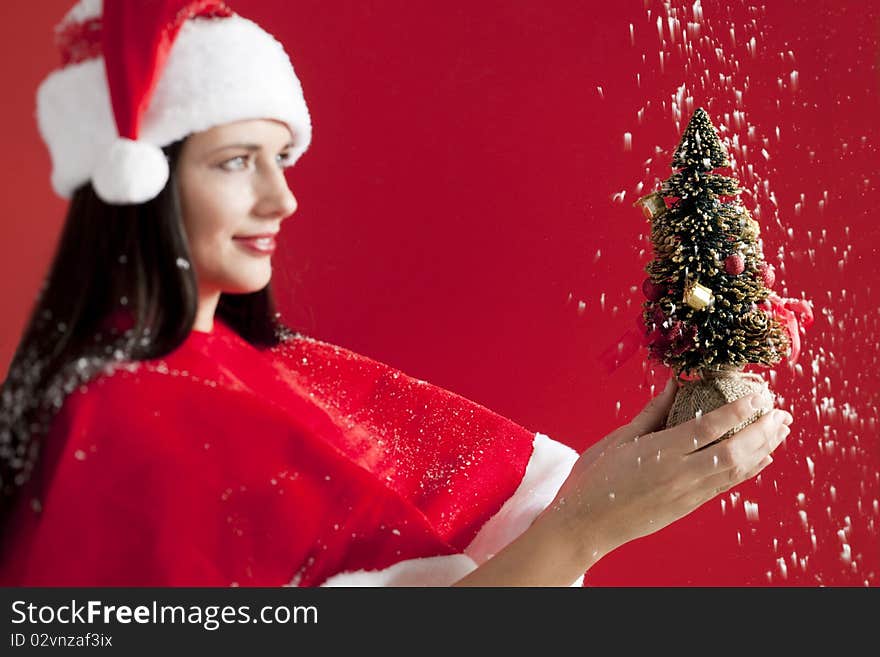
(652, 205)
(698, 296)
(752, 229)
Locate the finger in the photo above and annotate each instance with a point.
(653, 416)
(724, 481)
(744, 447)
(706, 429)
(710, 489)
(783, 432)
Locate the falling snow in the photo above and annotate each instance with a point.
(694, 56)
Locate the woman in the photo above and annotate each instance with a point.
(160, 424)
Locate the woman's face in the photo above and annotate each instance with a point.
(234, 197)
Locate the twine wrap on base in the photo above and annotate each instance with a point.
(713, 389)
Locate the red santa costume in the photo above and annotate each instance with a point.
(223, 464)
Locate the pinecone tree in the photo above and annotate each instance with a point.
(704, 313)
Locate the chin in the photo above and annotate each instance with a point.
(246, 286)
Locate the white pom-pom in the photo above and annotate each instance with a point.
(130, 172)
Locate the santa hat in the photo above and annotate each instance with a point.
(139, 75)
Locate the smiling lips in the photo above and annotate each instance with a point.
(258, 244)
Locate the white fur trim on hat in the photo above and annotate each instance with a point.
(224, 70)
(219, 70)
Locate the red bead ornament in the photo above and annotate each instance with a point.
(734, 264)
(768, 274)
(658, 341)
(687, 341)
(653, 291)
(657, 315)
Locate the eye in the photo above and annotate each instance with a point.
(235, 163)
(285, 159)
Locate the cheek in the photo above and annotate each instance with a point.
(212, 214)
(210, 221)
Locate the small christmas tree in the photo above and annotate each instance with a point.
(707, 313)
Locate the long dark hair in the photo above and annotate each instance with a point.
(131, 261)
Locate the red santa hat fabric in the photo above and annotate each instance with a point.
(137, 76)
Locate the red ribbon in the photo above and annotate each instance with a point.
(786, 311)
(621, 351)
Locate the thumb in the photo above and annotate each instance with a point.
(653, 416)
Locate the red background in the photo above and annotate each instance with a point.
(466, 215)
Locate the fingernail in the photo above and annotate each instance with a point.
(757, 401)
(783, 417)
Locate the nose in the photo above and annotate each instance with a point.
(274, 198)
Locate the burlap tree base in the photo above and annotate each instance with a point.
(711, 390)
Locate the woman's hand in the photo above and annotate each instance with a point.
(636, 480)
(639, 479)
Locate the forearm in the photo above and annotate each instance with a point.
(548, 553)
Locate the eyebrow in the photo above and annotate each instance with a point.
(247, 147)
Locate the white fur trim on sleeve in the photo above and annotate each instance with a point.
(548, 467)
(444, 570)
